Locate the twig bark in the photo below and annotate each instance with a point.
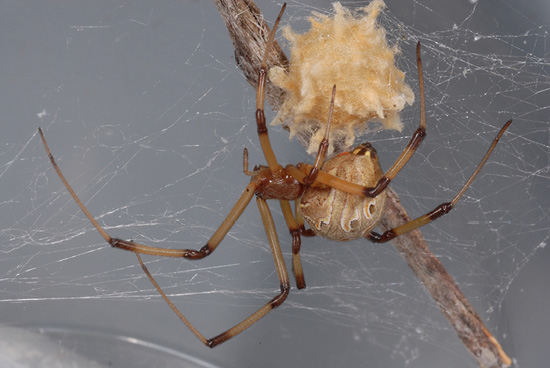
(249, 32)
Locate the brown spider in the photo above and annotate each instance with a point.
(341, 199)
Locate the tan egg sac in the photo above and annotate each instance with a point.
(348, 50)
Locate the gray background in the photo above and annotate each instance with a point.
(147, 115)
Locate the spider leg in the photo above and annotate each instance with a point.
(299, 171)
(413, 144)
(193, 254)
(296, 225)
(323, 146)
(71, 191)
(260, 94)
(282, 274)
(214, 241)
(443, 208)
(185, 321)
(295, 232)
(206, 250)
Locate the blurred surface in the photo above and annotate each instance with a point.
(83, 348)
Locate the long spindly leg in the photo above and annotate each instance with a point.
(413, 144)
(210, 246)
(323, 146)
(443, 208)
(185, 321)
(282, 274)
(300, 173)
(260, 94)
(265, 309)
(296, 225)
(295, 231)
(204, 251)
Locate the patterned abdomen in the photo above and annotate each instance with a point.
(337, 215)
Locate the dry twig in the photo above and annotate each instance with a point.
(249, 31)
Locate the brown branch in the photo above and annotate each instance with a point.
(444, 291)
(249, 31)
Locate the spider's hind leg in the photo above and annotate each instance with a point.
(443, 208)
(295, 230)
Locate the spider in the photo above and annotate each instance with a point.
(341, 198)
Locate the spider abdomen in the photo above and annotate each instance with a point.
(337, 215)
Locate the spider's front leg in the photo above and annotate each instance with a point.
(206, 250)
(260, 96)
(417, 138)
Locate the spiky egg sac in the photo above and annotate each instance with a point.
(350, 50)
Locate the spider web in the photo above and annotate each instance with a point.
(147, 115)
